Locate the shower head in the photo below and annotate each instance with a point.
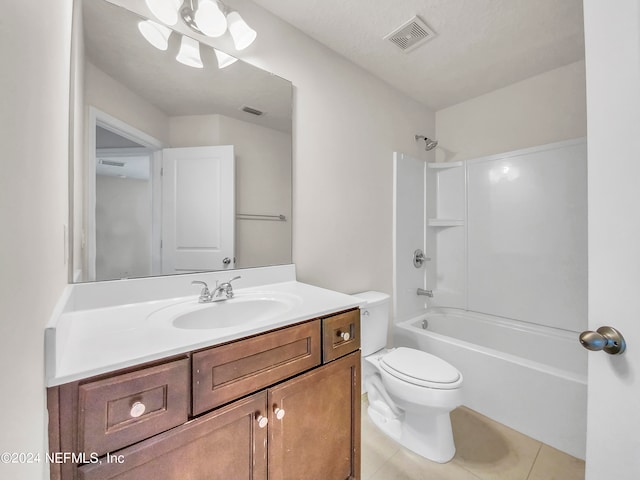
(429, 144)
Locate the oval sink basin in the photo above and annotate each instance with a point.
(243, 310)
(230, 313)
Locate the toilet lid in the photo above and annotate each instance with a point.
(420, 368)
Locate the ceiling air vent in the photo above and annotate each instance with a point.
(252, 111)
(112, 163)
(410, 35)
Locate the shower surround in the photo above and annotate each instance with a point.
(506, 238)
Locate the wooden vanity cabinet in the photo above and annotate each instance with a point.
(318, 437)
(301, 421)
(225, 444)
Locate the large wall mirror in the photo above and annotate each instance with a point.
(176, 167)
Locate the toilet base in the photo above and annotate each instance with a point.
(390, 426)
(429, 436)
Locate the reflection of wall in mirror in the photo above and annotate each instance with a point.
(263, 162)
(263, 181)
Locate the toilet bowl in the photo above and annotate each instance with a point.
(410, 392)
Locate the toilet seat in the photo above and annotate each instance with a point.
(420, 368)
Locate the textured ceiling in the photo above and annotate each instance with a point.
(480, 45)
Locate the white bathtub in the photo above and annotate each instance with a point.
(528, 377)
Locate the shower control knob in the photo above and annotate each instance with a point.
(605, 338)
(419, 258)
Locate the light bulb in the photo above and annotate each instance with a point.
(224, 59)
(189, 53)
(210, 19)
(242, 34)
(165, 10)
(156, 34)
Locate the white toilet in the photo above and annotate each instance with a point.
(410, 392)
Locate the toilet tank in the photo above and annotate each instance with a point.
(374, 321)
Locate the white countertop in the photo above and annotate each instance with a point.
(88, 342)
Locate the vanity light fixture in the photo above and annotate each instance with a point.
(189, 53)
(210, 19)
(165, 10)
(156, 34)
(243, 35)
(224, 60)
(207, 17)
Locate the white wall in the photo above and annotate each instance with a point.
(347, 124)
(263, 186)
(547, 108)
(110, 96)
(34, 94)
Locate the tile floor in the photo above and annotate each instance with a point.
(486, 450)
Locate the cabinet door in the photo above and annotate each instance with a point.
(228, 443)
(318, 434)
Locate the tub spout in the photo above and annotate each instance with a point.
(426, 293)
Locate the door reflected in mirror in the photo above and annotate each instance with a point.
(175, 169)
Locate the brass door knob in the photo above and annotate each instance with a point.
(605, 338)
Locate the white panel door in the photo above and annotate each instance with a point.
(612, 35)
(198, 209)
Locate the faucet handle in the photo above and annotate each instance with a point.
(200, 282)
(234, 278)
(204, 293)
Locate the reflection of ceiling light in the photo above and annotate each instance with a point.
(205, 17)
(189, 53)
(224, 60)
(503, 172)
(210, 19)
(165, 10)
(243, 35)
(156, 34)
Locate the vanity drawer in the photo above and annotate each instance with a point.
(224, 373)
(340, 334)
(121, 410)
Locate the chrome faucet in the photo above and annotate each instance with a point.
(207, 296)
(225, 288)
(426, 293)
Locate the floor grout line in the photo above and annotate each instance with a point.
(534, 461)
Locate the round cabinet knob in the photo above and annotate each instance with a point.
(262, 421)
(605, 338)
(137, 409)
(279, 413)
(344, 336)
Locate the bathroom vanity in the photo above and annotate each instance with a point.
(282, 402)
